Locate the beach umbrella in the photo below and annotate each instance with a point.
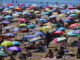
(58, 31)
(73, 15)
(61, 28)
(45, 28)
(23, 24)
(16, 43)
(28, 36)
(49, 7)
(45, 13)
(36, 12)
(2, 53)
(78, 11)
(18, 8)
(64, 11)
(5, 9)
(42, 20)
(9, 34)
(71, 7)
(11, 7)
(40, 33)
(5, 21)
(15, 29)
(31, 25)
(52, 31)
(76, 31)
(15, 48)
(7, 43)
(69, 17)
(35, 39)
(1, 8)
(52, 16)
(73, 25)
(8, 27)
(8, 16)
(71, 32)
(59, 39)
(67, 20)
(26, 12)
(1, 46)
(23, 19)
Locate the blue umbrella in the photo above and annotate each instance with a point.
(5, 9)
(18, 13)
(45, 13)
(9, 34)
(2, 53)
(71, 32)
(64, 11)
(26, 12)
(16, 43)
(1, 47)
(11, 7)
(76, 31)
(29, 36)
(73, 15)
(35, 39)
(42, 20)
(1, 8)
(8, 17)
(61, 28)
(36, 29)
(31, 25)
(52, 16)
(67, 20)
(40, 33)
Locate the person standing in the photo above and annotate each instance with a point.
(78, 45)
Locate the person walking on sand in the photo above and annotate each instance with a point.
(78, 45)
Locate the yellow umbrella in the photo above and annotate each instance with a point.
(78, 12)
(61, 15)
(46, 28)
(7, 43)
(47, 9)
(36, 12)
(55, 13)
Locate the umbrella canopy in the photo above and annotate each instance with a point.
(9, 34)
(61, 28)
(73, 25)
(29, 36)
(64, 11)
(67, 20)
(16, 43)
(5, 21)
(26, 12)
(1, 46)
(23, 24)
(8, 17)
(2, 53)
(8, 27)
(42, 20)
(35, 39)
(45, 13)
(40, 33)
(14, 48)
(76, 31)
(58, 31)
(7, 43)
(52, 16)
(58, 39)
(23, 19)
(71, 32)
(31, 25)
(73, 15)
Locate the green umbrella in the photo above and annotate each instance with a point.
(7, 43)
(23, 25)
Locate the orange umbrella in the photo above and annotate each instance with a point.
(18, 8)
(27, 8)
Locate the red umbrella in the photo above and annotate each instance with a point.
(48, 7)
(22, 19)
(78, 5)
(73, 25)
(59, 31)
(71, 7)
(9, 4)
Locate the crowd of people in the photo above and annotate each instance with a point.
(25, 30)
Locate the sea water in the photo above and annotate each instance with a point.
(74, 2)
